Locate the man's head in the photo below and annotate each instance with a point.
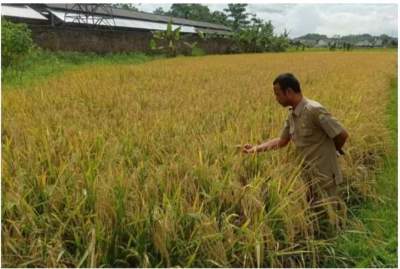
(287, 89)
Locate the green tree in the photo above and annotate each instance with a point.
(219, 18)
(332, 45)
(196, 12)
(280, 43)
(16, 43)
(159, 11)
(238, 16)
(180, 10)
(190, 11)
(125, 6)
(346, 46)
(297, 44)
(168, 41)
(249, 38)
(266, 35)
(199, 12)
(259, 37)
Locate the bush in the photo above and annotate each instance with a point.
(198, 52)
(16, 43)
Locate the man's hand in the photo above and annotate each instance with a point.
(248, 148)
(275, 143)
(339, 141)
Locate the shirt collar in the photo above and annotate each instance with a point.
(300, 107)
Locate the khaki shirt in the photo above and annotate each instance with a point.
(312, 129)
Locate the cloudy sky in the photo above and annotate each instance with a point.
(328, 19)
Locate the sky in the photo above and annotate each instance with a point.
(328, 19)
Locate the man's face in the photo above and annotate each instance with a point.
(281, 96)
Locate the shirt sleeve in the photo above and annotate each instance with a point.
(285, 131)
(331, 126)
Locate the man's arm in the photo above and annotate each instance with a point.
(275, 143)
(331, 126)
(340, 139)
(269, 145)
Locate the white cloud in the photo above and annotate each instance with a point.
(359, 19)
(328, 19)
(152, 7)
(331, 19)
(302, 19)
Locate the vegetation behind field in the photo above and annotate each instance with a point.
(40, 65)
(135, 165)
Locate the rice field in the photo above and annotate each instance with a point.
(136, 165)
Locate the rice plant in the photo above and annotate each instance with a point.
(125, 166)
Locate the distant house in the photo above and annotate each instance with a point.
(102, 28)
(378, 42)
(322, 43)
(307, 42)
(364, 43)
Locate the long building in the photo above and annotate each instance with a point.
(102, 28)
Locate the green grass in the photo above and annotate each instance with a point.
(42, 64)
(293, 49)
(376, 244)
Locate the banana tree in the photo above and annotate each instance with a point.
(166, 41)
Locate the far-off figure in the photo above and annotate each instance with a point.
(318, 138)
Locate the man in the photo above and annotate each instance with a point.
(317, 135)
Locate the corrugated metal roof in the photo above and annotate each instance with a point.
(129, 23)
(208, 31)
(21, 12)
(117, 12)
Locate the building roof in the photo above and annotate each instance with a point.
(118, 22)
(21, 11)
(122, 13)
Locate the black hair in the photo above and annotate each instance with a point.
(288, 80)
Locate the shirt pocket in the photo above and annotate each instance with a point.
(306, 131)
(308, 136)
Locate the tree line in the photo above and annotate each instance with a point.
(250, 33)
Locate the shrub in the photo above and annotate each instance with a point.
(16, 43)
(198, 52)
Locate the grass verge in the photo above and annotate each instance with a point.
(42, 64)
(372, 242)
(373, 50)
